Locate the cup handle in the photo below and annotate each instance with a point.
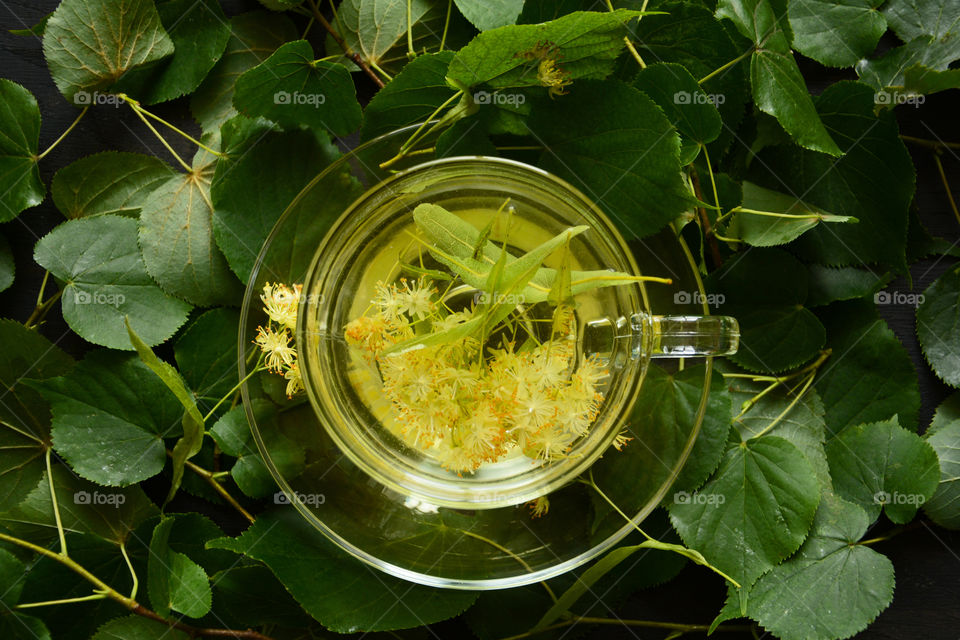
(685, 336)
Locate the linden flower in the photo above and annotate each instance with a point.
(416, 300)
(276, 347)
(294, 381)
(281, 303)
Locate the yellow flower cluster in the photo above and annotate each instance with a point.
(465, 403)
(281, 303)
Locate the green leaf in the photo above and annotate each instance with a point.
(110, 415)
(12, 623)
(107, 182)
(881, 464)
(7, 265)
(206, 353)
(251, 191)
(199, 31)
(490, 14)
(414, 94)
(686, 105)
(292, 88)
(232, 433)
(947, 412)
(19, 142)
(832, 588)
(137, 628)
(764, 290)
(912, 18)
(188, 445)
(925, 60)
(105, 281)
(12, 573)
(778, 86)
(252, 596)
(944, 507)
(690, 35)
(938, 326)
(465, 137)
(873, 182)
(90, 44)
(176, 240)
(373, 28)
(828, 284)
(175, 582)
(783, 414)
(343, 594)
(870, 377)
(836, 33)
(35, 30)
(583, 44)
(27, 355)
(642, 192)
(767, 231)
(755, 510)
(84, 507)
(254, 37)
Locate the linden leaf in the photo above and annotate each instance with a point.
(373, 28)
(336, 589)
(938, 326)
(110, 416)
(411, 97)
(686, 105)
(199, 31)
(292, 88)
(138, 628)
(105, 281)
(177, 243)
(584, 45)
(175, 582)
(757, 509)
(641, 192)
(90, 44)
(254, 37)
(874, 379)
(490, 14)
(107, 182)
(881, 464)
(206, 354)
(778, 86)
(829, 284)
(19, 141)
(765, 230)
(836, 34)
(232, 433)
(944, 507)
(832, 588)
(873, 182)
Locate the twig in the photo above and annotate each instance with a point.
(705, 220)
(946, 186)
(347, 51)
(210, 479)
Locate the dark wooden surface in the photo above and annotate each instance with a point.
(926, 558)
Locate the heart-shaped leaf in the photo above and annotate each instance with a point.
(107, 182)
(19, 140)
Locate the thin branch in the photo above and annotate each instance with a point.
(63, 135)
(946, 186)
(208, 476)
(347, 51)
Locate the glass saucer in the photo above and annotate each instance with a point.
(442, 546)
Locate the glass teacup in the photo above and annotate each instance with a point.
(376, 243)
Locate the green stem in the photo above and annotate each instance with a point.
(56, 505)
(421, 131)
(63, 135)
(43, 287)
(49, 603)
(347, 51)
(22, 432)
(306, 29)
(723, 68)
(230, 393)
(136, 107)
(502, 548)
(133, 573)
(652, 542)
(930, 144)
(162, 140)
(41, 310)
(789, 407)
(208, 476)
(376, 67)
(410, 52)
(446, 25)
